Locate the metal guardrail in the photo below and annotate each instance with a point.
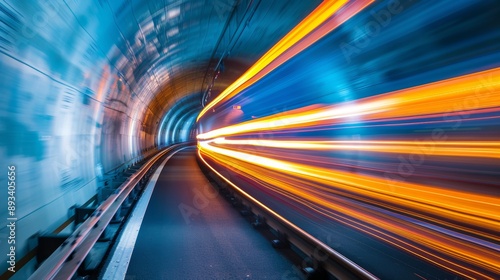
(332, 261)
(66, 259)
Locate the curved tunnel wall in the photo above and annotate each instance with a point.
(188, 106)
(86, 86)
(70, 114)
(77, 104)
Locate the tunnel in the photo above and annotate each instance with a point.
(250, 139)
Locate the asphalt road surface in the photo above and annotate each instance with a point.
(190, 232)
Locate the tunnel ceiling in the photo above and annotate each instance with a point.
(145, 55)
(166, 50)
(111, 70)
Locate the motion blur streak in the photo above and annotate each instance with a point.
(459, 149)
(422, 101)
(383, 132)
(480, 210)
(303, 31)
(376, 222)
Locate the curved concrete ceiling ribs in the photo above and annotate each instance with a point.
(133, 60)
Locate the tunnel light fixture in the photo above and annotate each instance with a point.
(289, 45)
(173, 13)
(237, 107)
(173, 32)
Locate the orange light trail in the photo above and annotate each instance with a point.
(453, 228)
(488, 149)
(386, 204)
(365, 219)
(482, 89)
(479, 210)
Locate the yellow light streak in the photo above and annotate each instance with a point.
(474, 209)
(368, 221)
(487, 149)
(481, 90)
(294, 120)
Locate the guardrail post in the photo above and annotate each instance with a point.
(47, 244)
(281, 242)
(259, 222)
(78, 251)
